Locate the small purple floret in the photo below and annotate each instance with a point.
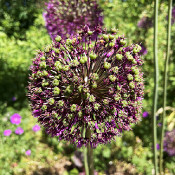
(145, 114)
(28, 152)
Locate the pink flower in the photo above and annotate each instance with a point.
(7, 132)
(15, 119)
(36, 128)
(28, 152)
(19, 131)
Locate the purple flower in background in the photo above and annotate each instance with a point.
(145, 22)
(99, 86)
(64, 18)
(28, 152)
(13, 98)
(157, 146)
(19, 131)
(15, 119)
(7, 132)
(143, 50)
(169, 142)
(36, 128)
(159, 124)
(145, 114)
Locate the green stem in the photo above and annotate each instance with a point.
(88, 156)
(155, 84)
(165, 83)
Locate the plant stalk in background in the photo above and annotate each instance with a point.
(165, 83)
(155, 84)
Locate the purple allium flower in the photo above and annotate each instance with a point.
(157, 146)
(145, 114)
(15, 119)
(36, 128)
(77, 86)
(145, 22)
(28, 152)
(159, 124)
(7, 132)
(64, 18)
(169, 142)
(13, 98)
(19, 131)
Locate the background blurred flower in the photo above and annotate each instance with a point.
(19, 131)
(169, 142)
(145, 22)
(157, 146)
(7, 132)
(13, 98)
(99, 87)
(28, 152)
(64, 18)
(145, 114)
(36, 128)
(143, 50)
(15, 119)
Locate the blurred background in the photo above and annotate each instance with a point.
(24, 146)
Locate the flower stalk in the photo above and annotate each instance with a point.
(156, 70)
(165, 83)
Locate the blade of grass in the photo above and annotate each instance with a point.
(165, 83)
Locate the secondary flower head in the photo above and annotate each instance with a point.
(145, 22)
(7, 132)
(36, 128)
(15, 119)
(19, 131)
(28, 152)
(95, 86)
(169, 143)
(65, 17)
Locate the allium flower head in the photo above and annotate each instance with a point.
(65, 17)
(7, 132)
(36, 128)
(145, 22)
(93, 85)
(19, 131)
(169, 142)
(15, 119)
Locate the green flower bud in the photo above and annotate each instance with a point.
(48, 48)
(60, 103)
(68, 41)
(45, 83)
(137, 48)
(43, 64)
(112, 78)
(115, 69)
(111, 37)
(55, 82)
(58, 65)
(96, 106)
(91, 98)
(80, 114)
(51, 101)
(107, 65)
(56, 91)
(132, 85)
(106, 101)
(83, 60)
(75, 63)
(119, 56)
(73, 108)
(92, 56)
(69, 89)
(58, 38)
(38, 90)
(44, 73)
(118, 87)
(65, 68)
(130, 77)
(122, 41)
(44, 107)
(114, 30)
(80, 88)
(94, 76)
(90, 32)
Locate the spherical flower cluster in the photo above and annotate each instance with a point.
(28, 152)
(93, 86)
(64, 18)
(169, 143)
(15, 119)
(145, 22)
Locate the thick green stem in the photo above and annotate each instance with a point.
(88, 156)
(165, 83)
(155, 85)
